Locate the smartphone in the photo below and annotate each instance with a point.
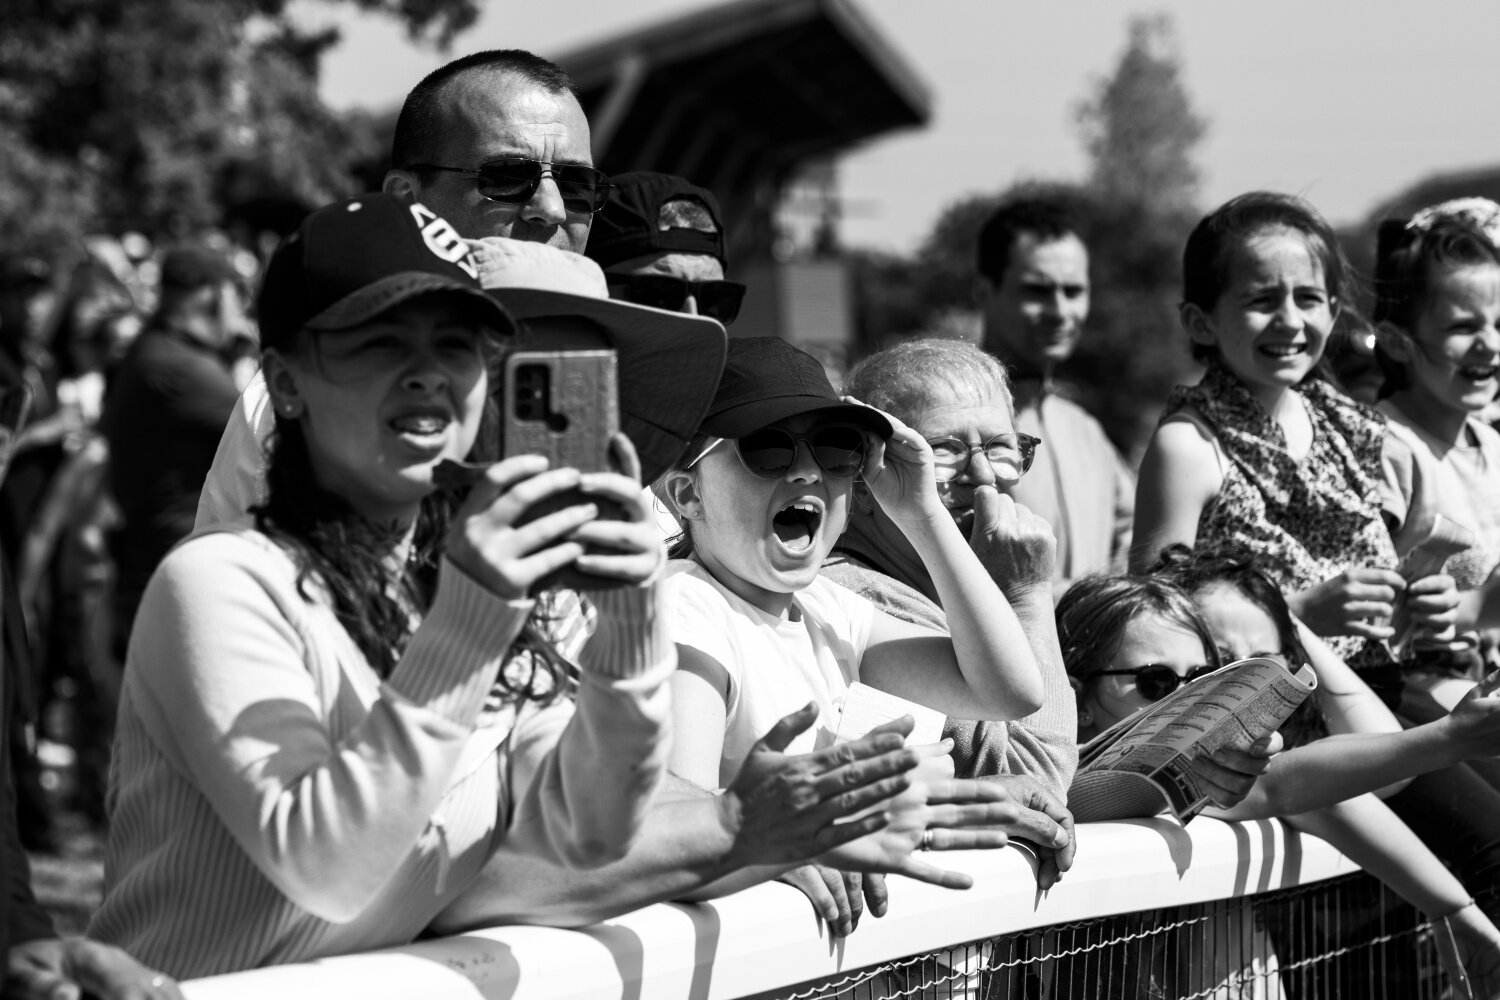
(15, 407)
(564, 405)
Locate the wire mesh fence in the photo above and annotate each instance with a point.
(1342, 938)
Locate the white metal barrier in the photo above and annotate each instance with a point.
(767, 938)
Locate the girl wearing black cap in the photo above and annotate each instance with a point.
(759, 632)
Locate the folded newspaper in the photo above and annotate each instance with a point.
(1125, 771)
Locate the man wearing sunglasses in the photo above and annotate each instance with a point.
(660, 241)
(1033, 293)
(497, 143)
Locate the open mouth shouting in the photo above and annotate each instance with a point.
(796, 525)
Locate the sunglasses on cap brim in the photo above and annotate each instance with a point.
(838, 449)
(513, 180)
(716, 298)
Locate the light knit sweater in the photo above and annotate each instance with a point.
(273, 801)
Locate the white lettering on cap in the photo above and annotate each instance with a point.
(443, 240)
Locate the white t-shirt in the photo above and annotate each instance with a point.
(775, 665)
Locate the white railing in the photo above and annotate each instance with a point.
(767, 938)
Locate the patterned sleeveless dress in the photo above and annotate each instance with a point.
(1303, 520)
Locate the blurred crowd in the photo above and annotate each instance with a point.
(454, 565)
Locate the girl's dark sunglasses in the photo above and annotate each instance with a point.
(513, 180)
(839, 450)
(1156, 680)
(719, 299)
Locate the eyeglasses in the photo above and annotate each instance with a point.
(838, 449)
(1010, 455)
(513, 180)
(1157, 680)
(719, 299)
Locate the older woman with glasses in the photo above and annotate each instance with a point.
(958, 399)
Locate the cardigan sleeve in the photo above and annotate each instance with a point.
(222, 668)
(588, 795)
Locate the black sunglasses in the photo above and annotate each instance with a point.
(719, 299)
(839, 450)
(513, 180)
(1156, 680)
(1003, 451)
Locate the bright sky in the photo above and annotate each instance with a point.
(1342, 101)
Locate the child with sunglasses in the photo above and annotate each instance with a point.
(759, 632)
(1130, 640)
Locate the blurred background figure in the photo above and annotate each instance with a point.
(1033, 290)
(660, 241)
(63, 572)
(166, 410)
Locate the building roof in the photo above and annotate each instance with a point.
(735, 97)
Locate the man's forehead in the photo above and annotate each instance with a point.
(489, 113)
(1062, 257)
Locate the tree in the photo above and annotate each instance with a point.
(1139, 127)
(122, 114)
(1136, 207)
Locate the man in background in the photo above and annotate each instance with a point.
(165, 412)
(660, 241)
(496, 143)
(1033, 292)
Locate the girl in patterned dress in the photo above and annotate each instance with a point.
(1262, 456)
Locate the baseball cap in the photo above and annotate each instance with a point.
(766, 380)
(351, 261)
(627, 227)
(669, 362)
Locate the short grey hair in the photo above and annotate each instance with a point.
(911, 376)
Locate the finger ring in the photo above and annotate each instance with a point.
(157, 982)
(926, 844)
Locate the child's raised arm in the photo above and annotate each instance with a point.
(985, 668)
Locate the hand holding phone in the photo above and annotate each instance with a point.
(563, 405)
